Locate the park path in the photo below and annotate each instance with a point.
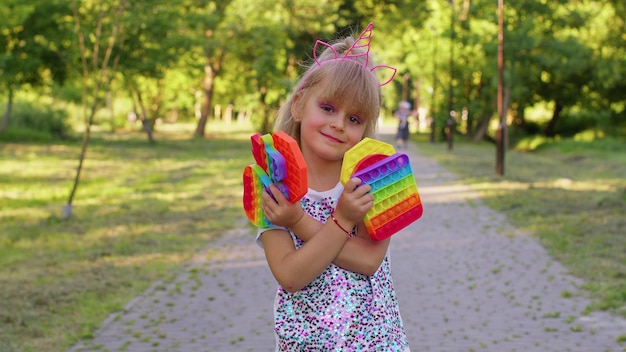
(466, 281)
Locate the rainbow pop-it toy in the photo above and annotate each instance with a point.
(366, 148)
(396, 200)
(279, 161)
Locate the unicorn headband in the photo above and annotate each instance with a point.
(352, 54)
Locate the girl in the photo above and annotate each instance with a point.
(335, 288)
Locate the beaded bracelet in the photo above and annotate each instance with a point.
(349, 233)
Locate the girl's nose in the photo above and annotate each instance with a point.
(338, 121)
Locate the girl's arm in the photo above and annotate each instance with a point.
(360, 254)
(294, 269)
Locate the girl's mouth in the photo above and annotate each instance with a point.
(331, 138)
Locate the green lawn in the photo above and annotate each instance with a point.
(139, 212)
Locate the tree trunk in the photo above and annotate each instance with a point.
(211, 70)
(7, 112)
(472, 123)
(67, 209)
(265, 125)
(481, 129)
(558, 108)
(143, 117)
(417, 102)
(207, 88)
(109, 103)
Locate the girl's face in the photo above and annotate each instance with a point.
(328, 128)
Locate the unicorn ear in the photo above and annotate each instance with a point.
(363, 43)
(385, 71)
(358, 53)
(319, 42)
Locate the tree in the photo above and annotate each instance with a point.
(217, 37)
(609, 65)
(154, 43)
(97, 50)
(233, 53)
(33, 46)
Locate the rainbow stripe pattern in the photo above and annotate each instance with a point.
(397, 202)
(279, 161)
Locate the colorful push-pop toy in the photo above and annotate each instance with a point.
(279, 161)
(396, 200)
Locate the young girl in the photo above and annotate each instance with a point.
(335, 288)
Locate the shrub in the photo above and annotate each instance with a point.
(38, 121)
(573, 123)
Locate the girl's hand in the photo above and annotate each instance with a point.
(278, 210)
(355, 201)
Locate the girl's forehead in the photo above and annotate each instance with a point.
(340, 101)
(347, 86)
(339, 95)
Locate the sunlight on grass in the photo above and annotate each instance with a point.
(144, 259)
(561, 183)
(482, 190)
(448, 193)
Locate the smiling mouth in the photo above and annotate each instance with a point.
(331, 138)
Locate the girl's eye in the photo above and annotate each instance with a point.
(327, 107)
(354, 119)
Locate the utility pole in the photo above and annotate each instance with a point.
(450, 121)
(405, 87)
(433, 102)
(501, 133)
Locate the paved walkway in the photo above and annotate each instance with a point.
(466, 281)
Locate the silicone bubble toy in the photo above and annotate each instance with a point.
(396, 199)
(365, 148)
(279, 161)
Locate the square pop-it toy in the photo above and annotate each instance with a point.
(396, 199)
(279, 161)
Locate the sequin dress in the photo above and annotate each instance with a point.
(340, 310)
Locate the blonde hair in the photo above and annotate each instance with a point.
(345, 80)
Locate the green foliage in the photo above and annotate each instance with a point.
(588, 145)
(21, 135)
(33, 43)
(567, 54)
(70, 92)
(41, 122)
(588, 141)
(530, 143)
(573, 123)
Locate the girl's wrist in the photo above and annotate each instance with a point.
(299, 218)
(349, 231)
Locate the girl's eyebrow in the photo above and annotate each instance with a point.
(352, 109)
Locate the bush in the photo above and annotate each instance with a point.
(530, 143)
(38, 121)
(17, 135)
(573, 123)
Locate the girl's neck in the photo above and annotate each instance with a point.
(323, 176)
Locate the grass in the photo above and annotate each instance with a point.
(570, 195)
(140, 211)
